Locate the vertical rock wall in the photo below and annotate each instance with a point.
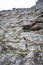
(18, 45)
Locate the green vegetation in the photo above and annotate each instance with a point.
(8, 64)
(21, 54)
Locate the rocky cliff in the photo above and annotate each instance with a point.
(21, 36)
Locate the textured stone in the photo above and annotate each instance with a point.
(19, 46)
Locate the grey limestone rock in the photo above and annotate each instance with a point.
(18, 45)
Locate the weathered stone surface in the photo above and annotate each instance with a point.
(18, 45)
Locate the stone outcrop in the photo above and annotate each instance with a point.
(21, 36)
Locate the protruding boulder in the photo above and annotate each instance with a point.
(35, 28)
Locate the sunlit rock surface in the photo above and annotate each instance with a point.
(18, 45)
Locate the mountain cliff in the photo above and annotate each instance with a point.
(21, 36)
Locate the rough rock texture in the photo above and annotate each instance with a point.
(21, 45)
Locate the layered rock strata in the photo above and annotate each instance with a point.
(21, 42)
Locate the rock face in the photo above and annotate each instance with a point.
(40, 1)
(21, 36)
